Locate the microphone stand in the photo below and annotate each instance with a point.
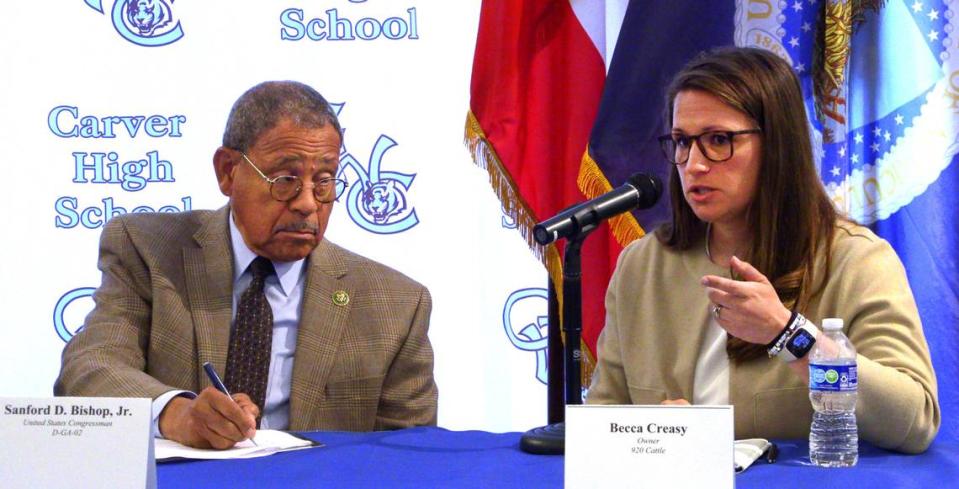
(551, 439)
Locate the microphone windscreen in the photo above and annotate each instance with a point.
(649, 186)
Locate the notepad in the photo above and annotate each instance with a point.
(268, 442)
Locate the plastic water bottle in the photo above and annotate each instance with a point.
(833, 379)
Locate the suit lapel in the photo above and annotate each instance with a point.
(209, 277)
(322, 322)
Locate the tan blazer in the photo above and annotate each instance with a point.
(164, 307)
(657, 313)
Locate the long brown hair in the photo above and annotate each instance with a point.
(790, 216)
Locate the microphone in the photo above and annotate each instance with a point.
(640, 191)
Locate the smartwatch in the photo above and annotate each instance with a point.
(799, 344)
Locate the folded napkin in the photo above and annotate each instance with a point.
(749, 450)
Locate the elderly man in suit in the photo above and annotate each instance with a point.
(309, 335)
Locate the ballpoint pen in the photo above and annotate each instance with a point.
(218, 384)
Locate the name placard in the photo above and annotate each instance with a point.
(76, 441)
(649, 446)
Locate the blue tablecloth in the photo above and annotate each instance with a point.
(938, 468)
(435, 457)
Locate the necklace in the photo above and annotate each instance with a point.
(709, 227)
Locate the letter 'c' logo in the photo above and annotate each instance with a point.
(149, 23)
(529, 337)
(59, 324)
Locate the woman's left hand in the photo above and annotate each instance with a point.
(748, 309)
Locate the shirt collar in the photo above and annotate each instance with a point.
(288, 272)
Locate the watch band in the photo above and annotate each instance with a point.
(782, 333)
(800, 342)
(773, 348)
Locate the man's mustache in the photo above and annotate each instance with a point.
(297, 227)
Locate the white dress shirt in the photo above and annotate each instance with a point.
(711, 381)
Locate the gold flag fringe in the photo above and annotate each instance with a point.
(484, 155)
(514, 206)
(591, 182)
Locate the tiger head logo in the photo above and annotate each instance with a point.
(383, 200)
(148, 15)
(148, 23)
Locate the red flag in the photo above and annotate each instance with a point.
(536, 85)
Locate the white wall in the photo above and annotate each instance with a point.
(414, 91)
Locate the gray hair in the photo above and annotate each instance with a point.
(262, 107)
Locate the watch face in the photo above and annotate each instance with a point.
(800, 344)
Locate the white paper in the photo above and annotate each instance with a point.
(268, 442)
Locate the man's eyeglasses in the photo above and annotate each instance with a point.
(287, 187)
(716, 146)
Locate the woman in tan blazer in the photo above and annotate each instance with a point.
(754, 245)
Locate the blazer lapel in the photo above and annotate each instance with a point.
(209, 277)
(323, 319)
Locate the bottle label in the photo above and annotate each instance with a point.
(833, 378)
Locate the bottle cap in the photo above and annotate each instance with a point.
(832, 324)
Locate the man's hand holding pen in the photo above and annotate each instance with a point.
(211, 420)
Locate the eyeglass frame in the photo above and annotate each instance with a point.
(699, 144)
(271, 181)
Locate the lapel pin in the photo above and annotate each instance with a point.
(341, 298)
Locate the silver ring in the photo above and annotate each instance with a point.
(718, 308)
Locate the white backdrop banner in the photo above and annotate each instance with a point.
(116, 106)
